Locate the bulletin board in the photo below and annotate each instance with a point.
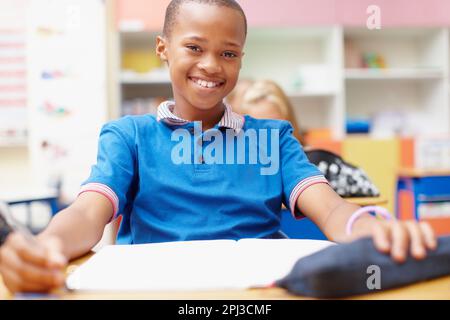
(13, 81)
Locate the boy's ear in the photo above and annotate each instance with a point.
(161, 48)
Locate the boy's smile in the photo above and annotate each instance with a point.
(207, 83)
(203, 52)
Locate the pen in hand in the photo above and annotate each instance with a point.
(29, 263)
(10, 224)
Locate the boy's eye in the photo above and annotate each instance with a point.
(229, 54)
(193, 48)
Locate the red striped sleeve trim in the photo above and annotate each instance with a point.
(302, 186)
(105, 191)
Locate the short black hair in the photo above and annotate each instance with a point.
(174, 6)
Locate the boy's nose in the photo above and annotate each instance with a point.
(210, 65)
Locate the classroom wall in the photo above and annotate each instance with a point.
(139, 13)
(396, 13)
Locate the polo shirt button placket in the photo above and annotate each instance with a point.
(201, 160)
(200, 145)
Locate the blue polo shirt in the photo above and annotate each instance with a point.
(170, 181)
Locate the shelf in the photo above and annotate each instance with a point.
(311, 94)
(131, 26)
(396, 33)
(13, 143)
(394, 74)
(145, 79)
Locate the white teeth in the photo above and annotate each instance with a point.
(207, 84)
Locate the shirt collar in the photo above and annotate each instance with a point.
(229, 120)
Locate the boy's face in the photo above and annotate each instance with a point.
(204, 53)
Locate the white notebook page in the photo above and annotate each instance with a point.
(191, 265)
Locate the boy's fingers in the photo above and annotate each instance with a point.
(28, 251)
(11, 280)
(428, 235)
(15, 284)
(44, 255)
(400, 241)
(381, 238)
(55, 259)
(417, 247)
(31, 274)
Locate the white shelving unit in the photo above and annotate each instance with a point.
(394, 74)
(412, 87)
(135, 87)
(315, 68)
(307, 63)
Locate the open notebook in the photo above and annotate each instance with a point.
(191, 265)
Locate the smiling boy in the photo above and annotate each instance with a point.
(203, 46)
(162, 200)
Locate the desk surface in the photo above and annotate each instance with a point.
(438, 289)
(370, 201)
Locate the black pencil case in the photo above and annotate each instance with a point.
(359, 268)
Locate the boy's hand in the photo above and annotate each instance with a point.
(32, 266)
(398, 238)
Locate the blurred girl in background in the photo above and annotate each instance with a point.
(264, 99)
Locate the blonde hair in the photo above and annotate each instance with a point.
(267, 90)
(235, 97)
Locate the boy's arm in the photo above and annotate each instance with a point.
(331, 213)
(80, 226)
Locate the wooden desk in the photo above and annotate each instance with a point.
(438, 289)
(370, 201)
